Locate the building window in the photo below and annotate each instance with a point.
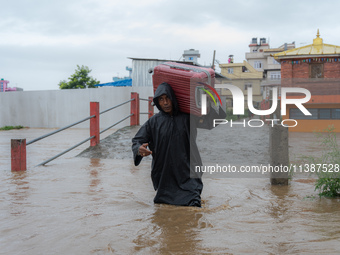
(191, 58)
(230, 70)
(317, 114)
(316, 71)
(325, 114)
(336, 114)
(297, 114)
(258, 64)
(275, 75)
(247, 85)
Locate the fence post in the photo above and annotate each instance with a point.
(150, 107)
(18, 154)
(94, 123)
(134, 120)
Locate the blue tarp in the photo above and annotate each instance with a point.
(122, 83)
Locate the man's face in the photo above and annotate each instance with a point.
(165, 103)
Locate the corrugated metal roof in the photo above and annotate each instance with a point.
(122, 83)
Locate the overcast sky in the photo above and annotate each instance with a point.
(42, 42)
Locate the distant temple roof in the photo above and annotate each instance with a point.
(315, 49)
(122, 83)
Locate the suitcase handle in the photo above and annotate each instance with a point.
(191, 69)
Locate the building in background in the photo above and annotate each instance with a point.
(242, 75)
(315, 67)
(261, 70)
(118, 83)
(191, 55)
(140, 73)
(260, 56)
(4, 86)
(142, 69)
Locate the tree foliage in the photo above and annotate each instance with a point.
(80, 79)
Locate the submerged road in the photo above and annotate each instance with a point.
(224, 145)
(100, 203)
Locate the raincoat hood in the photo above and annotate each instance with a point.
(165, 89)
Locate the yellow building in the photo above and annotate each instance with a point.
(242, 75)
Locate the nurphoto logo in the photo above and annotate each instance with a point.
(238, 103)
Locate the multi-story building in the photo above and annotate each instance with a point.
(260, 56)
(242, 75)
(260, 70)
(315, 67)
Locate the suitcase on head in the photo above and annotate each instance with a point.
(188, 83)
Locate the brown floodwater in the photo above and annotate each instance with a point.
(84, 205)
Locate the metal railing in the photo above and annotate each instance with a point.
(59, 130)
(62, 153)
(150, 112)
(119, 120)
(18, 146)
(76, 123)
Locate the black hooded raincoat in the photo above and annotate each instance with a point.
(173, 146)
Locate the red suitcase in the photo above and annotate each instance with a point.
(185, 81)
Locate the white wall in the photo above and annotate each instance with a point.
(59, 108)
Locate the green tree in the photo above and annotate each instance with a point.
(80, 79)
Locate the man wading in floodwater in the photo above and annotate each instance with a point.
(172, 146)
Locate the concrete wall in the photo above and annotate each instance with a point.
(59, 108)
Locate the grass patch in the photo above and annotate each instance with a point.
(11, 127)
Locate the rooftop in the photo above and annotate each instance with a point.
(318, 48)
(121, 83)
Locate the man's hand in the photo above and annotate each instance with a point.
(143, 151)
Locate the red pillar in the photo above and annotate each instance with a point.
(18, 154)
(94, 123)
(134, 120)
(150, 107)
